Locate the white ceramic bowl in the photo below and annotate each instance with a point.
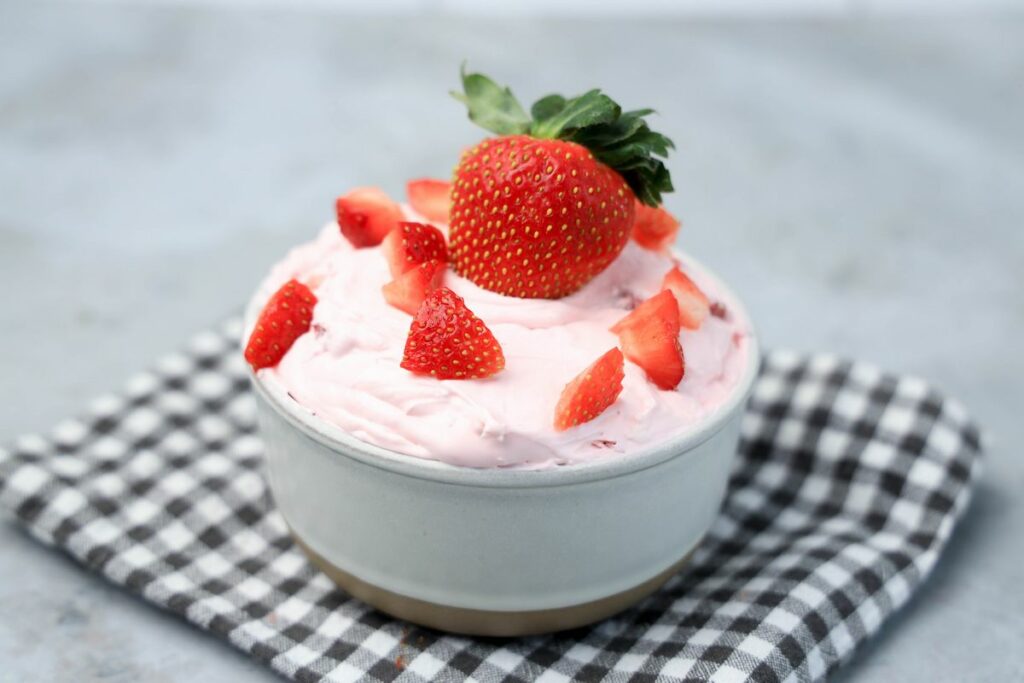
(493, 551)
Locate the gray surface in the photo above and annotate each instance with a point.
(861, 184)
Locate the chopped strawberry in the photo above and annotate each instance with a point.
(661, 305)
(407, 291)
(591, 392)
(412, 244)
(366, 215)
(654, 228)
(448, 341)
(430, 198)
(693, 305)
(285, 318)
(649, 337)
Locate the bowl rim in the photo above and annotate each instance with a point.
(340, 442)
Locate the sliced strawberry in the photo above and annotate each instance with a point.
(654, 228)
(693, 305)
(407, 291)
(661, 305)
(430, 198)
(448, 341)
(412, 244)
(591, 392)
(649, 337)
(366, 215)
(285, 318)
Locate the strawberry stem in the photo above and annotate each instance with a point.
(622, 140)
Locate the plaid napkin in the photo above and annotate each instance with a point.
(847, 487)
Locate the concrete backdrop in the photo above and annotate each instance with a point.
(860, 182)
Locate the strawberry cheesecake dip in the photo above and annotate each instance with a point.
(529, 314)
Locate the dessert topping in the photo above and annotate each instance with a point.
(591, 392)
(446, 340)
(693, 304)
(654, 228)
(366, 215)
(430, 198)
(411, 244)
(285, 318)
(408, 290)
(540, 210)
(649, 337)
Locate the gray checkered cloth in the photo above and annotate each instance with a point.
(847, 487)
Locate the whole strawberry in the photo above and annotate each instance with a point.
(540, 210)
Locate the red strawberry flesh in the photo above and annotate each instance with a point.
(649, 337)
(285, 318)
(654, 228)
(536, 218)
(591, 392)
(407, 291)
(411, 244)
(446, 340)
(693, 304)
(430, 198)
(366, 215)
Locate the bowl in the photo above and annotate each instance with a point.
(497, 552)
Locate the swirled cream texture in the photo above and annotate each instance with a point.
(346, 370)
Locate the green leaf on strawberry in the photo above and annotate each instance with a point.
(592, 108)
(492, 107)
(621, 140)
(546, 107)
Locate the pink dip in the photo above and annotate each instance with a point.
(346, 369)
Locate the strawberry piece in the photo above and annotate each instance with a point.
(407, 291)
(412, 244)
(591, 392)
(285, 318)
(366, 215)
(661, 306)
(448, 341)
(649, 337)
(694, 306)
(430, 198)
(654, 227)
(536, 218)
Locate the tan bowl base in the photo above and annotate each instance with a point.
(488, 622)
